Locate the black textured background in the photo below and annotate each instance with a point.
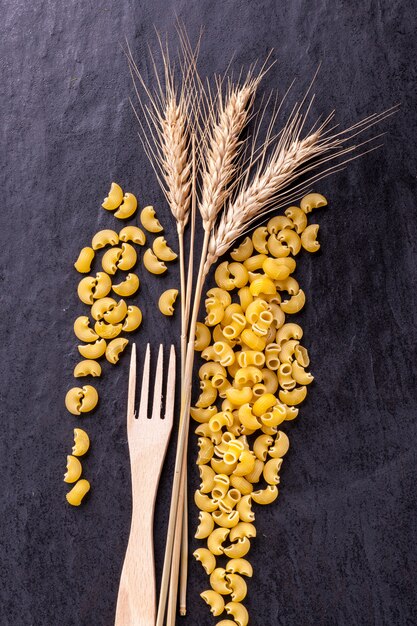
(338, 547)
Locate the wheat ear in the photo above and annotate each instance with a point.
(272, 182)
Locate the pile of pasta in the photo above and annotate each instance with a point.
(254, 378)
(111, 317)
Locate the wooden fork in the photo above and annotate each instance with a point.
(148, 440)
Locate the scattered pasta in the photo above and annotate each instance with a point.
(114, 198)
(81, 442)
(77, 493)
(127, 207)
(85, 258)
(149, 220)
(166, 301)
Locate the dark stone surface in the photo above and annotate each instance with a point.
(338, 548)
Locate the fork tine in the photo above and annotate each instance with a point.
(132, 385)
(144, 392)
(157, 394)
(170, 392)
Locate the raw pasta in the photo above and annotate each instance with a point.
(253, 380)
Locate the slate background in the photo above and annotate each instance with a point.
(338, 548)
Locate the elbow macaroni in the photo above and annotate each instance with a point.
(254, 378)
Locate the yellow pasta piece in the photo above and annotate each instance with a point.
(103, 285)
(271, 471)
(298, 218)
(133, 233)
(243, 529)
(218, 581)
(93, 350)
(128, 207)
(162, 250)
(309, 238)
(83, 331)
(244, 508)
(87, 368)
(240, 483)
(166, 301)
(133, 319)
(245, 298)
(280, 447)
(261, 447)
(277, 223)
(220, 294)
(238, 586)
(152, 264)
(149, 220)
(102, 306)
(221, 419)
(74, 469)
(110, 260)
(206, 558)
(202, 415)
(214, 600)
(208, 394)
(285, 379)
(255, 262)
(85, 289)
(114, 198)
(265, 496)
(289, 284)
(291, 239)
(85, 258)
(253, 341)
(277, 248)
(207, 475)
(205, 430)
(128, 257)
(226, 520)
(299, 374)
(205, 526)
(239, 566)
(107, 331)
(301, 355)
(243, 251)
(221, 486)
(127, 287)
(277, 269)
(293, 397)
(116, 313)
(77, 493)
(255, 309)
(262, 285)
(312, 201)
(104, 238)
(229, 502)
(259, 239)
(115, 348)
(216, 539)
(204, 503)
(238, 549)
(206, 450)
(202, 337)
(215, 311)
(288, 331)
(239, 612)
(239, 396)
(81, 442)
(295, 303)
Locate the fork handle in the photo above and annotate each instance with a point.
(136, 601)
